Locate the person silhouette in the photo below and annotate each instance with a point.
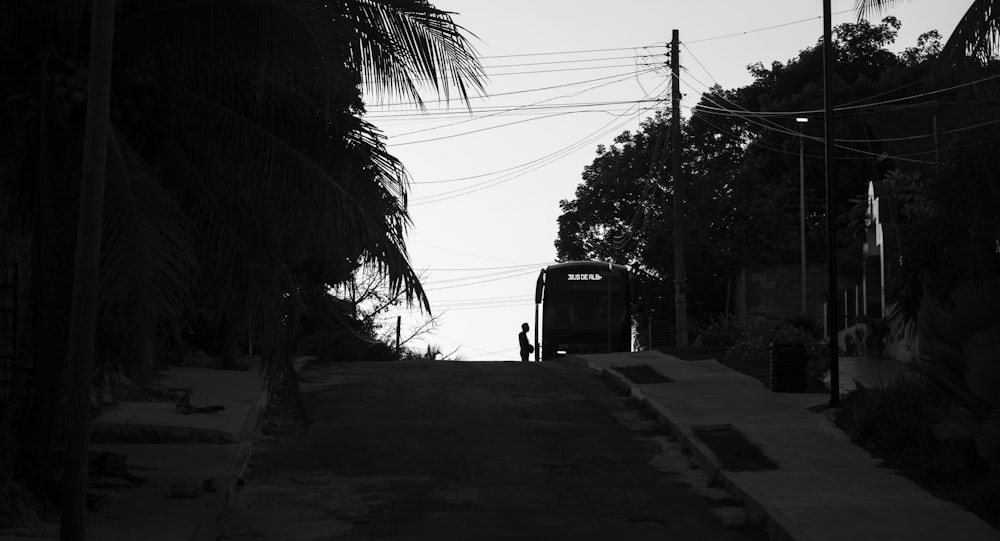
(522, 339)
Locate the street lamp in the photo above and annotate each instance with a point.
(802, 212)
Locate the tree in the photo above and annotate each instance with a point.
(622, 214)
(977, 32)
(238, 156)
(742, 159)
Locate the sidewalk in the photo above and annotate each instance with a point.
(189, 450)
(825, 487)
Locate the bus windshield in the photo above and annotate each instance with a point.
(585, 308)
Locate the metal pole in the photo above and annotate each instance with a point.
(680, 293)
(610, 349)
(831, 202)
(399, 320)
(802, 219)
(536, 332)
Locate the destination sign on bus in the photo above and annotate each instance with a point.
(575, 277)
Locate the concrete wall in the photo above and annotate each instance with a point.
(777, 290)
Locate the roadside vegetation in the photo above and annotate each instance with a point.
(895, 421)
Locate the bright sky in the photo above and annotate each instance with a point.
(564, 77)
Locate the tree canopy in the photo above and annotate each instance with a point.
(741, 151)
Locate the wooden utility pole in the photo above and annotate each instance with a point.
(83, 315)
(680, 274)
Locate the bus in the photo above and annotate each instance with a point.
(585, 308)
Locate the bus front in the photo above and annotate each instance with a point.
(585, 309)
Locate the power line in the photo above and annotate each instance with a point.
(542, 162)
(762, 29)
(490, 268)
(515, 122)
(480, 282)
(564, 69)
(514, 175)
(768, 124)
(530, 106)
(579, 51)
(633, 57)
(523, 91)
(597, 134)
(487, 275)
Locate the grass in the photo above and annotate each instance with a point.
(892, 422)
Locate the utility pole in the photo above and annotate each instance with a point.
(82, 330)
(680, 276)
(831, 206)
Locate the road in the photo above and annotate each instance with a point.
(461, 450)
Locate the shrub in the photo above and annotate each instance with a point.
(890, 417)
(721, 331)
(17, 505)
(340, 346)
(756, 334)
(808, 324)
(893, 422)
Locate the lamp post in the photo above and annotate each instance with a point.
(802, 213)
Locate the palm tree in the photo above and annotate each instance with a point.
(238, 159)
(977, 33)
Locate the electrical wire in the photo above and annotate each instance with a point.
(477, 277)
(632, 57)
(514, 92)
(512, 123)
(579, 51)
(559, 154)
(514, 175)
(536, 265)
(479, 282)
(530, 106)
(762, 29)
(771, 125)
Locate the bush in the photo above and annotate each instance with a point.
(721, 331)
(893, 422)
(341, 346)
(808, 324)
(890, 417)
(17, 505)
(756, 334)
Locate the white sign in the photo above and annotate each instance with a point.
(584, 277)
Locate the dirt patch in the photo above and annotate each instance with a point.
(734, 451)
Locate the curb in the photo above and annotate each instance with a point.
(209, 525)
(776, 523)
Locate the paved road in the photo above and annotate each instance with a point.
(457, 450)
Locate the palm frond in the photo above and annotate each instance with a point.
(401, 45)
(146, 252)
(977, 32)
(867, 8)
(277, 176)
(241, 277)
